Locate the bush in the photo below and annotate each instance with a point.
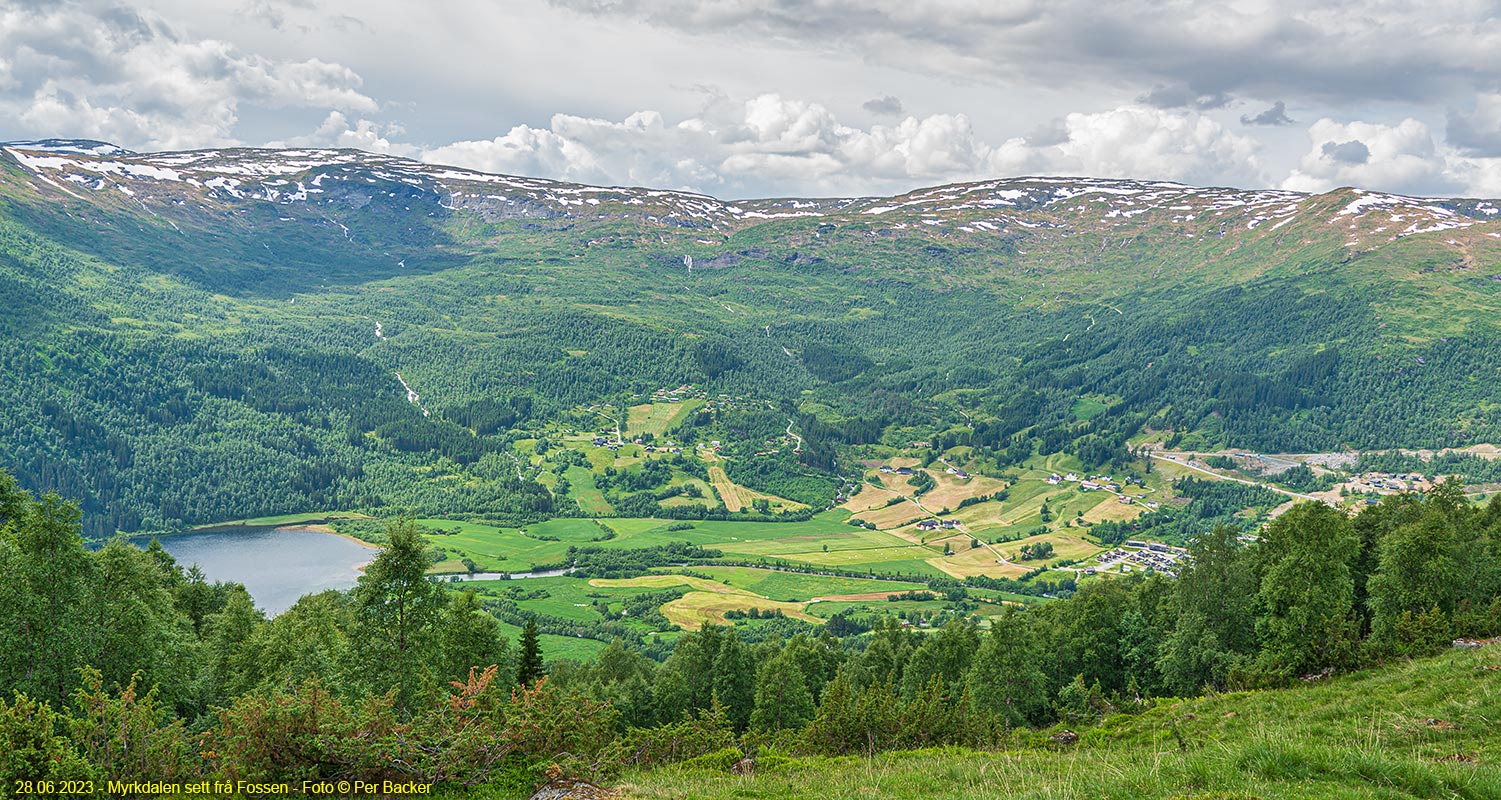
(31, 750)
(129, 736)
(719, 760)
(466, 738)
(306, 733)
(709, 732)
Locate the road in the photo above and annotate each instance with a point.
(799, 439)
(1248, 482)
(619, 440)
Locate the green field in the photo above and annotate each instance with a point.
(517, 550)
(798, 586)
(582, 489)
(559, 647)
(707, 601)
(658, 418)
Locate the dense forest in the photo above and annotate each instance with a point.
(192, 357)
(119, 664)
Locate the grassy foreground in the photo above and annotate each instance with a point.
(1424, 729)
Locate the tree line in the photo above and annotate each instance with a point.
(109, 659)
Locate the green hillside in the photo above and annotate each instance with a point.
(1421, 729)
(194, 337)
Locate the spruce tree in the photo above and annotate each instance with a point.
(735, 679)
(529, 662)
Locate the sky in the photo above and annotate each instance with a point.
(765, 98)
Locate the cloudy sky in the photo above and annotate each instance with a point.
(743, 98)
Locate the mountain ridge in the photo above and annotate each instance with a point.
(71, 159)
(211, 313)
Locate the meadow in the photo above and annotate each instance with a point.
(1421, 729)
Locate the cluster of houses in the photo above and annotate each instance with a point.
(887, 469)
(936, 524)
(1163, 558)
(690, 392)
(603, 440)
(1390, 482)
(1101, 482)
(676, 395)
(1088, 484)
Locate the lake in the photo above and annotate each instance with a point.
(277, 565)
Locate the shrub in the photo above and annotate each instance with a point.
(30, 748)
(129, 736)
(306, 733)
(709, 732)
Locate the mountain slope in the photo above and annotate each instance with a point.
(1416, 730)
(181, 328)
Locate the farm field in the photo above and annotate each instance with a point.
(581, 488)
(658, 418)
(793, 586)
(573, 648)
(707, 602)
(870, 498)
(977, 561)
(737, 497)
(1068, 543)
(823, 540)
(728, 492)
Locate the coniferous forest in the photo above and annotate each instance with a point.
(120, 665)
(1039, 483)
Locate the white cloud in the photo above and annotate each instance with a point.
(1399, 158)
(364, 134)
(771, 144)
(105, 71)
(1138, 142)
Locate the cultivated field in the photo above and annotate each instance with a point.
(657, 418)
(708, 601)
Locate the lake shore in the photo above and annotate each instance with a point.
(329, 530)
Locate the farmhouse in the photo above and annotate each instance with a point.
(1055, 478)
(904, 470)
(928, 525)
(1125, 500)
(950, 524)
(1089, 486)
(886, 469)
